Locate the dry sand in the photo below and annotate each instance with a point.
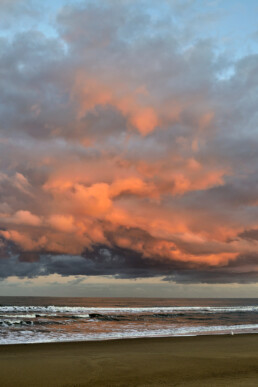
(183, 361)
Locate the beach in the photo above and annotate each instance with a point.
(218, 360)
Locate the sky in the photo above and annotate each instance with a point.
(129, 148)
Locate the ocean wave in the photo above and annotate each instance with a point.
(85, 311)
(13, 322)
(18, 315)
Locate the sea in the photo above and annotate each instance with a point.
(48, 319)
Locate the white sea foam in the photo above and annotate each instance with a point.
(18, 315)
(46, 337)
(6, 322)
(118, 310)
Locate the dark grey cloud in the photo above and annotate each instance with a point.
(123, 263)
(126, 264)
(249, 234)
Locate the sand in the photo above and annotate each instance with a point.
(183, 361)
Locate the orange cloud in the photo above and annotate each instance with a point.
(131, 185)
(145, 120)
(134, 105)
(62, 223)
(22, 217)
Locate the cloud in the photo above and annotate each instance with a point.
(25, 218)
(123, 152)
(126, 263)
(250, 234)
(18, 14)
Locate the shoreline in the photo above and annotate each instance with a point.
(130, 339)
(214, 360)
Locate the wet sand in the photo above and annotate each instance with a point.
(183, 361)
